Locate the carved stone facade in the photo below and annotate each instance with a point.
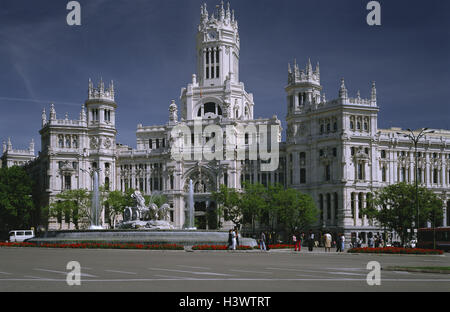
(333, 150)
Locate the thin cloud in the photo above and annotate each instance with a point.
(4, 98)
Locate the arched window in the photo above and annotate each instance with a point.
(210, 107)
(209, 110)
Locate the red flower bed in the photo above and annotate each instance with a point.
(218, 247)
(397, 250)
(96, 245)
(281, 246)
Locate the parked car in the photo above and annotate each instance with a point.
(20, 235)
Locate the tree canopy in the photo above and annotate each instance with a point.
(267, 205)
(394, 207)
(16, 204)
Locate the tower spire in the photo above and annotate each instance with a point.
(309, 70)
(373, 95)
(44, 117)
(31, 149)
(52, 112)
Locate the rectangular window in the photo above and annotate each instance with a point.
(321, 207)
(207, 72)
(360, 171)
(327, 173)
(217, 71)
(328, 207)
(302, 175)
(212, 72)
(67, 182)
(360, 205)
(383, 174)
(435, 176)
(352, 204)
(150, 143)
(336, 206)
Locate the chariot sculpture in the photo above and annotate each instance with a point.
(143, 216)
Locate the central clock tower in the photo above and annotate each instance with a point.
(215, 91)
(217, 47)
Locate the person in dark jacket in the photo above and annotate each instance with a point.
(229, 239)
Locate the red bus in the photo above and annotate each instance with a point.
(431, 238)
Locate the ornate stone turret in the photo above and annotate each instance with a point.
(304, 76)
(100, 93)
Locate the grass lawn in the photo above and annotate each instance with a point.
(425, 269)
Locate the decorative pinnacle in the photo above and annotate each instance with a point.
(342, 90)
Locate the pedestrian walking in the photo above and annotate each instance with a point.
(237, 236)
(299, 242)
(342, 242)
(370, 242)
(295, 242)
(310, 241)
(233, 240)
(230, 239)
(262, 242)
(327, 242)
(338, 243)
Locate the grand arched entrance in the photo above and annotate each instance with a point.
(205, 208)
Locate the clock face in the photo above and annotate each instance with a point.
(212, 35)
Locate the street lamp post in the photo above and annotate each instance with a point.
(415, 139)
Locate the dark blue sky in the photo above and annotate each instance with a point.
(148, 48)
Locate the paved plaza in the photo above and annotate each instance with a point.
(42, 269)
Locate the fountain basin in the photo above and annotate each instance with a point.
(181, 237)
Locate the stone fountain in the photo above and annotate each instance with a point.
(142, 217)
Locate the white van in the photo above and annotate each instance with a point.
(20, 235)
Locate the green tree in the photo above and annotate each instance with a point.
(230, 201)
(16, 205)
(115, 203)
(72, 205)
(394, 207)
(295, 210)
(253, 203)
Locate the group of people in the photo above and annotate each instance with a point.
(233, 239)
(312, 242)
(298, 240)
(375, 241)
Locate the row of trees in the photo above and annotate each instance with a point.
(19, 209)
(394, 207)
(266, 206)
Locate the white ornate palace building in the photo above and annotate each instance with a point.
(333, 151)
